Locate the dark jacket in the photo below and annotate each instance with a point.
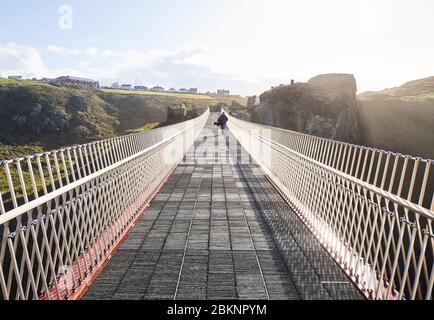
(222, 121)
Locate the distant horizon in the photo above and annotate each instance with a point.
(245, 46)
(212, 91)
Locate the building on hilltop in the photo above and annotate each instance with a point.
(15, 77)
(126, 86)
(298, 83)
(143, 88)
(183, 90)
(222, 92)
(76, 81)
(157, 89)
(171, 90)
(193, 90)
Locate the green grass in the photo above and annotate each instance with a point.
(8, 152)
(190, 96)
(126, 113)
(420, 97)
(4, 187)
(4, 81)
(148, 127)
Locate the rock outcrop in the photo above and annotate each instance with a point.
(251, 101)
(325, 106)
(399, 119)
(50, 116)
(179, 113)
(176, 114)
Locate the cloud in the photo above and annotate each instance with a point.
(61, 50)
(91, 51)
(27, 61)
(20, 59)
(186, 66)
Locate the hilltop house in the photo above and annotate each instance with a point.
(76, 81)
(157, 89)
(222, 92)
(15, 77)
(143, 88)
(126, 87)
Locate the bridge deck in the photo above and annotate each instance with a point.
(220, 231)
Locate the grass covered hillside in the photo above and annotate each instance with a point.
(183, 96)
(36, 116)
(400, 119)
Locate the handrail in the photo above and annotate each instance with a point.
(371, 209)
(52, 195)
(308, 142)
(287, 131)
(390, 196)
(53, 245)
(37, 175)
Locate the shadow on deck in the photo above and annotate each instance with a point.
(220, 231)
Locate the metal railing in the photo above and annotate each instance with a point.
(371, 209)
(64, 212)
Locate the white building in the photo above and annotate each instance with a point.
(222, 92)
(126, 86)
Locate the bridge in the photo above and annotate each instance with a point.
(191, 212)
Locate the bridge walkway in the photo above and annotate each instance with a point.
(220, 231)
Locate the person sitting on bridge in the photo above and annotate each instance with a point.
(222, 121)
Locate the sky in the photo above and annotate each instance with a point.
(246, 46)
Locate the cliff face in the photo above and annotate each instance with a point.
(40, 116)
(397, 119)
(400, 119)
(325, 106)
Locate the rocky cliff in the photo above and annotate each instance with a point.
(38, 116)
(400, 119)
(325, 106)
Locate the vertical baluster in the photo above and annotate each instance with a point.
(102, 155)
(50, 172)
(21, 179)
(81, 157)
(57, 167)
(89, 162)
(408, 259)
(95, 157)
(41, 174)
(77, 163)
(32, 177)
(10, 183)
(111, 151)
(92, 156)
(65, 167)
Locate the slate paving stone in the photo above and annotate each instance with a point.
(127, 296)
(243, 241)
